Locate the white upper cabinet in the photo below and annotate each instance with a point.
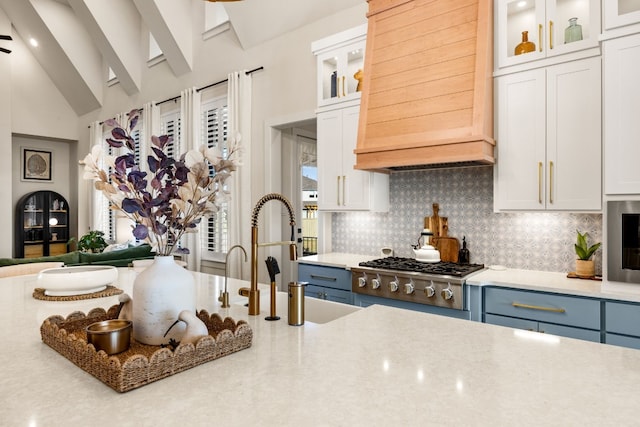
(549, 26)
(340, 60)
(549, 138)
(619, 13)
(340, 186)
(621, 115)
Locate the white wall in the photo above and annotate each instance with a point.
(31, 105)
(61, 173)
(37, 107)
(286, 86)
(6, 216)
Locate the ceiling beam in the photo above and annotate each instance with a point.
(65, 50)
(171, 23)
(115, 29)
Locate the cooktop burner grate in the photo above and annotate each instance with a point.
(410, 264)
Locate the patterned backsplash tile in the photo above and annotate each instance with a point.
(532, 241)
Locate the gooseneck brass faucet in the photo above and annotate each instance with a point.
(254, 293)
(224, 296)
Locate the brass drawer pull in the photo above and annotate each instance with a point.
(540, 182)
(538, 307)
(551, 182)
(540, 36)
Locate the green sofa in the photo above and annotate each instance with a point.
(116, 258)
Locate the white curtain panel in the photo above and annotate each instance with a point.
(189, 139)
(98, 201)
(239, 99)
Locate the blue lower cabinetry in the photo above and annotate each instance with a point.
(548, 328)
(563, 315)
(330, 283)
(367, 300)
(622, 340)
(323, 292)
(622, 324)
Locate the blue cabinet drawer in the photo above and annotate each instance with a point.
(332, 277)
(544, 307)
(622, 341)
(541, 327)
(568, 331)
(511, 322)
(622, 318)
(335, 295)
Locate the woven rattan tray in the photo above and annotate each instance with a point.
(141, 364)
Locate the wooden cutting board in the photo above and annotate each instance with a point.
(438, 225)
(449, 248)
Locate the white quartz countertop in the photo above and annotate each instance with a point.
(336, 259)
(556, 282)
(378, 366)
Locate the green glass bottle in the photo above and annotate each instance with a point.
(573, 32)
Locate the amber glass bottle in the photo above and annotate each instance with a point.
(526, 46)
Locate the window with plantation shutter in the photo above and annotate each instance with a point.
(105, 218)
(170, 126)
(215, 232)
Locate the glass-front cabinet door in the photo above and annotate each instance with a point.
(529, 30)
(339, 73)
(42, 225)
(618, 13)
(340, 59)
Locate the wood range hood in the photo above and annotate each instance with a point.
(427, 99)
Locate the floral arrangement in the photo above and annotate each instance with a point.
(171, 196)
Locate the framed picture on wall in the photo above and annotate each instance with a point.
(36, 165)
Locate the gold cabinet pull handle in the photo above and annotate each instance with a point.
(550, 182)
(344, 193)
(338, 191)
(344, 91)
(540, 182)
(538, 307)
(540, 37)
(550, 34)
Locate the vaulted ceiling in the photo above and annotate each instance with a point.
(78, 39)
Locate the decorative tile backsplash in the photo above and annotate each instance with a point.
(531, 241)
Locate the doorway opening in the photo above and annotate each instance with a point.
(308, 173)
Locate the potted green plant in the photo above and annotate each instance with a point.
(585, 266)
(93, 242)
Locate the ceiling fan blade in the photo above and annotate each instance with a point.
(4, 50)
(5, 37)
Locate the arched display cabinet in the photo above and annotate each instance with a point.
(42, 225)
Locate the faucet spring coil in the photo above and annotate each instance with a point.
(265, 199)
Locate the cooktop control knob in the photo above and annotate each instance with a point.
(430, 290)
(375, 283)
(393, 285)
(447, 293)
(409, 288)
(362, 281)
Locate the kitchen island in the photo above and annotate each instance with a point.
(375, 366)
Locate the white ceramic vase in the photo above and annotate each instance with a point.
(160, 292)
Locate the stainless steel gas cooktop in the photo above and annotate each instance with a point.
(439, 284)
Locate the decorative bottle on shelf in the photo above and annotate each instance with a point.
(573, 32)
(334, 84)
(525, 46)
(463, 255)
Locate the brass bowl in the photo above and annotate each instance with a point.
(111, 336)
